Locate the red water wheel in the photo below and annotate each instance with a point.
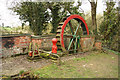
(69, 32)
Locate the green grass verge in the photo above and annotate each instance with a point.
(95, 65)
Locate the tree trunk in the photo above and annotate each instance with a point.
(93, 14)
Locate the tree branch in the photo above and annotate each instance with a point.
(89, 0)
(96, 3)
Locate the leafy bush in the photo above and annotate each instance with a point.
(109, 29)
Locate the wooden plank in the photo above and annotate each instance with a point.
(59, 30)
(61, 23)
(58, 43)
(59, 27)
(58, 35)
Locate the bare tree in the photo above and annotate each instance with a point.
(93, 14)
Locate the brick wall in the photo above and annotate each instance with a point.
(43, 42)
(16, 44)
(87, 43)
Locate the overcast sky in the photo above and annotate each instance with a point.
(10, 19)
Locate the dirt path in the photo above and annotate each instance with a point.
(13, 65)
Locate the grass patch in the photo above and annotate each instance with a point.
(85, 59)
(95, 65)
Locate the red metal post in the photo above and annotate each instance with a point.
(54, 47)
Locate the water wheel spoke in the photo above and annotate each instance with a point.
(75, 46)
(77, 28)
(68, 36)
(70, 43)
(71, 28)
(78, 41)
(75, 43)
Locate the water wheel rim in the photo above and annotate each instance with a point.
(77, 17)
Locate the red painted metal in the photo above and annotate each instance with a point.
(54, 47)
(36, 52)
(30, 53)
(67, 20)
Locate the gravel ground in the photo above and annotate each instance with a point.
(13, 65)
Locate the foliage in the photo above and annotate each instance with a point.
(55, 10)
(21, 72)
(60, 10)
(110, 26)
(88, 20)
(33, 13)
(16, 30)
(38, 17)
